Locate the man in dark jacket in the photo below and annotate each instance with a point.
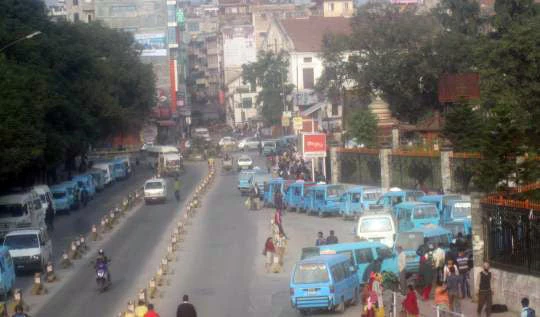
(186, 309)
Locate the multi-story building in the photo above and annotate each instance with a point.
(80, 10)
(338, 8)
(238, 49)
(264, 12)
(57, 11)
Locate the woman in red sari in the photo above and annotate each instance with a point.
(410, 304)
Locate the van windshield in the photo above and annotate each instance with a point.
(153, 185)
(15, 210)
(425, 212)
(58, 195)
(410, 240)
(382, 224)
(461, 210)
(311, 273)
(23, 241)
(334, 192)
(371, 196)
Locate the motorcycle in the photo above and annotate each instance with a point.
(102, 277)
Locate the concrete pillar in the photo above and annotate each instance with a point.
(477, 241)
(395, 138)
(446, 172)
(335, 165)
(386, 168)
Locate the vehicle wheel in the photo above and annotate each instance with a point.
(344, 216)
(321, 214)
(302, 312)
(340, 309)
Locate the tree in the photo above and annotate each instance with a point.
(464, 128)
(269, 73)
(363, 127)
(64, 90)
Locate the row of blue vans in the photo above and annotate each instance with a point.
(330, 276)
(73, 194)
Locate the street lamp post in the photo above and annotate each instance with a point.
(26, 37)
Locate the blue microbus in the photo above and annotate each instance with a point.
(358, 199)
(324, 282)
(415, 214)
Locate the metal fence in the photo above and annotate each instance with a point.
(463, 167)
(416, 171)
(513, 237)
(360, 168)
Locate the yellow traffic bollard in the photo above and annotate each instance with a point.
(73, 252)
(94, 235)
(66, 262)
(152, 288)
(38, 288)
(165, 266)
(142, 296)
(51, 275)
(159, 276)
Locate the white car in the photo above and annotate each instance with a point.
(244, 162)
(31, 249)
(155, 189)
(248, 144)
(227, 141)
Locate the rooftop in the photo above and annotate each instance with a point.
(307, 33)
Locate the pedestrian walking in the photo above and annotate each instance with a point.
(320, 239)
(186, 309)
(281, 245)
(151, 312)
(49, 214)
(426, 275)
(410, 304)
(442, 301)
(449, 265)
(19, 311)
(402, 266)
(269, 251)
(331, 239)
(463, 267)
(526, 311)
(279, 222)
(485, 292)
(278, 201)
(453, 285)
(438, 260)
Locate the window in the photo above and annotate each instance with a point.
(171, 14)
(75, 2)
(247, 102)
(382, 224)
(171, 35)
(335, 109)
(355, 198)
(307, 59)
(262, 34)
(363, 256)
(319, 195)
(338, 273)
(346, 5)
(297, 191)
(383, 253)
(193, 27)
(308, 78)
(75, 17)
(123, 11)
(331, 5)
(89, 18)
(311, 273)
(425, 212)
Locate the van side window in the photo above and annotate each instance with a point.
(297, 191)
(383, 253)
(363, 256)
(337, 273)
(356, 197)
(319, 195)
(2, 266)
(37, 204)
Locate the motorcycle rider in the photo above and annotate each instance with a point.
(177, 186)
(103, 259)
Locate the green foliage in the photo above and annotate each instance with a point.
(270, 73)
(65, 89)
(464, 128)
(363, 127)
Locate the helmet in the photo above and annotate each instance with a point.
(101, 252)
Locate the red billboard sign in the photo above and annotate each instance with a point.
(313, 145)
(456, 87)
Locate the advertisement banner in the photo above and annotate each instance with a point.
(298, 123)
(153, 44)
(313, 145)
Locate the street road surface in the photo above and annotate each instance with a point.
(128, 248)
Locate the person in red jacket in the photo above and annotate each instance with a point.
(410, 304)
(151, 312)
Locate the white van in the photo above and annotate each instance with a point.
(21, 210)
(108, 168)
(46, 197)
(377, 226)
(31, 249)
